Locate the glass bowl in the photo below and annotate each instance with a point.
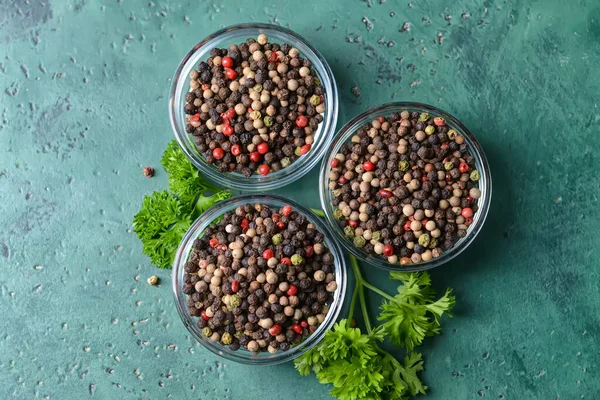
(236, 34)
(242, 355)
(484, 184)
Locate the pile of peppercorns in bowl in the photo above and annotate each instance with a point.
(254, 106)
(259, 279)
(405, 186)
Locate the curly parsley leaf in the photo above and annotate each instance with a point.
(358, 369)
(184, 179)
(203, 202)
(160, 224)
(414, 314)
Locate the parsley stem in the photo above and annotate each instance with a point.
(363, 307)
(361, 293)
(353, 302)
(319, 213)
(377, 290)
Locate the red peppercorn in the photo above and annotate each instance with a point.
(292, 290)
(230, 113)
(304, 324)
(342, 179)
(305, 149)
(263, 148)
(255, 156)
(245, 223)
(218, 153)
(195, 117)
(368, 166)
(286, 210)
(301, 121)
(280, 225)
(267, 254)
(230, 73)
(297, 328)
(148, 172)
(468, 221)
(407, 226)
(204, 316)
(353, 224)
(463, 167)
(424, 178)
(388, 250)
(213, 242)
(272, 57)
(227, 62)
(386, 194)
(470, 199)
(205, 86)
(286, 261)
(309, 251)
(264, 170)
(439, 121)
(380, 119)
(275, 217)
(444, 146)
(228, 130)
(275, 330)
(467, 212)
(334, 163)
(448, 177)
(235, 286)
(223, 247)
(236, 150)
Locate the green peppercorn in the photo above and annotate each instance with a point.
(297, 259)
(424, 240)
(207, 332)
(226, 338)
(298, 151)
(403, 165)
(254, 115)
(448, 166)
(423, 117)
(316, 81)
(359, 241)
(285, 162)
(315, 100)
(475, 175)
(376, 236)
(258, 88)
(277, 239)
(337, 192)
(337, 214)
(235, 300)
(349, 231)
(430, 130)
(433, 243)
(452, 134)
(268, 121)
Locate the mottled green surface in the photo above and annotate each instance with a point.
(84, 106)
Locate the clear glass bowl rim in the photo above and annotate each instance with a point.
(485, 184)
(285, 176)
(244, 356)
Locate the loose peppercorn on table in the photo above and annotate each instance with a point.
(84, 93)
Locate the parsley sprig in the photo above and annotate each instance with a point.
(166, 216)
(352, 360)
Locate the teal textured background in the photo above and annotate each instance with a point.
(83, 89)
